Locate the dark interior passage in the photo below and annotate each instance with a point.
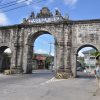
(5, 57)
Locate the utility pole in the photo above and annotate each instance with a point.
(50, 53)
(50, 48)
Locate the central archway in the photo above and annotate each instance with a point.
(31, 40)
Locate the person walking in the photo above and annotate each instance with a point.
(97, 74)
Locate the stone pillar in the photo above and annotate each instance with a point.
(64, 62)
(17, 60)
(73, 64)
(1, 60)
(29, 59)
(64, 53)
(13, 59)
(68, 66)
(60, 55)
(20, 60)
(17, 53)
(25, 57)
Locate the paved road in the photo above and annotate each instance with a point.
(42, 86)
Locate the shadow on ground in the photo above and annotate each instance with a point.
(85, 75)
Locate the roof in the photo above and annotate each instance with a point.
(41, 56)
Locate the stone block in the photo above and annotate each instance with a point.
(7, 72)
(62, 75)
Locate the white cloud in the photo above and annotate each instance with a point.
(26, 2)
(7, 51)
(67, 2)
(3, 19)
(41, 51)
(52, 53)
(80, 54)
(70, 2)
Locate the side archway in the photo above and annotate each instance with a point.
(86, 57)
(86, 45)
(5, 58)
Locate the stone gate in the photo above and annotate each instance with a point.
(70, 36)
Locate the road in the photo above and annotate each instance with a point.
(42, 86)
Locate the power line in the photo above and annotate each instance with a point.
(21, 6)
(7, 3)
(12, 4)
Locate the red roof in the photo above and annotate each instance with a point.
(40, 57)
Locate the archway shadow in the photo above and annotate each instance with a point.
(45, 74)
(83, 75)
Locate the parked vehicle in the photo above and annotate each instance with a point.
(80, 68)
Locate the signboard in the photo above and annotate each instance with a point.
(46, 20)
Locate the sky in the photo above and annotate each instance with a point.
(44, 44)
(75, 9)
(80, 53)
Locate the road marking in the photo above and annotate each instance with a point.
(52, 80)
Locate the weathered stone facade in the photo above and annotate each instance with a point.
(70, 36)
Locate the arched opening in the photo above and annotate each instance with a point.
(5, 58)
(41, 51)
(85, 61)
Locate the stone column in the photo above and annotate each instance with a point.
(68, 69)
(17, 53)
(65, 70)
(73, 64)
(14, 51)
(61, 73)
(1, 60)
(29, 59)
(13, 59)
(17, 59)
(20, 51)
(20, 60)
(60, 57)
(25, 57)
(27, 53)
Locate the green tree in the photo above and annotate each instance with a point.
(96, 54)
(47, 62)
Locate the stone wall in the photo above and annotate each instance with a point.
(69, 37)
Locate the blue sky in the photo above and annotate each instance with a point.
(42, 44)
(76, 9)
